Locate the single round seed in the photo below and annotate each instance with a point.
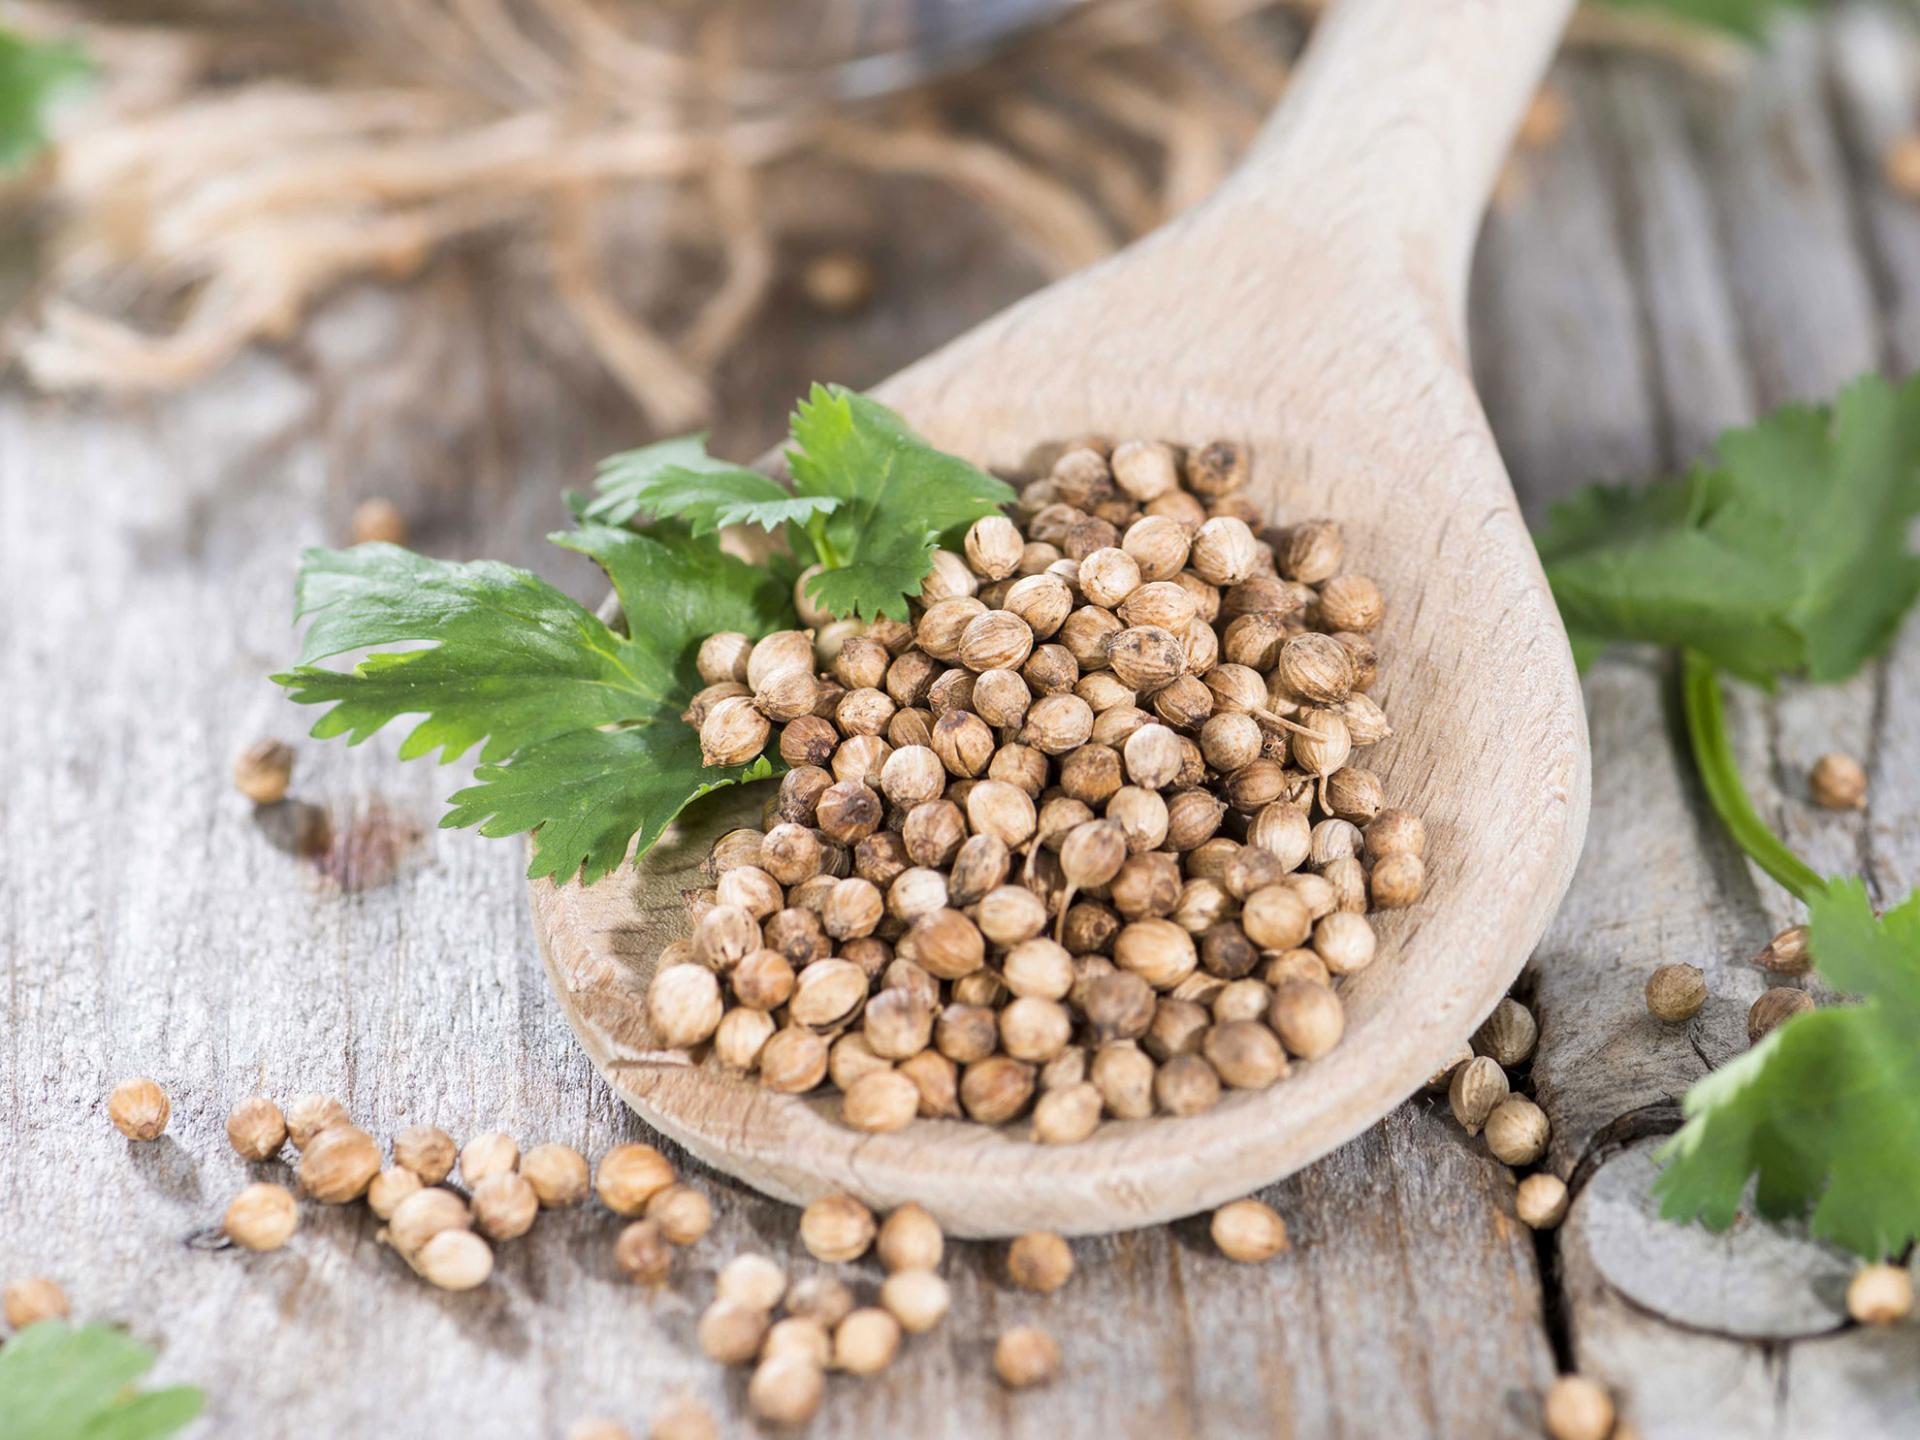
(880, 1102)
(33, 1299)
(262, 1217)
(730, 1332)
(1309, 1018)
(1397, 881)
(389, 1188)
(1577, 1408)
(629, 1176)
(682, 1213)
(1880, 1294)
(1026, 1356)
(1773, 1009)
(866, 1341)
(836, 1228)
(426, 1150)
(755, 1281)
(822, 1298)
(1517, 1131)
(338, 1164)
(504, 1206)
(454, 1260)
(1067, 1113)
(1787, 952)
(683, 1418)
(918, 1299)
(786, 1390)
(1675, 993)
(557, 1173)
(139, 1109)
(1476, 1090)
(1838, 783)
(800, 1335)
(493, 1153)
(1541, 1201)
(1508, 1035)
(1249, 1231)
(263, 770)
(910, 1239)
(256, 1129)
(643, 1253)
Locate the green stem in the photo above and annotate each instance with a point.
(1720, 773)
(822, 546)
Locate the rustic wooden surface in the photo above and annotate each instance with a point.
(1679, 260)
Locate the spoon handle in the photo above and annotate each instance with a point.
(1395, 127)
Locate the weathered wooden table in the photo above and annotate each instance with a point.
(1681, 259)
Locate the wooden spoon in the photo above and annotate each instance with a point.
(1312, 309)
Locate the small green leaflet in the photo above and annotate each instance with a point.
(1746, 18)
(62, 1382)
(1788, 554)
(536, 680)
(677, 479)
(897, 496)
(33, 75)
(1826, 1109)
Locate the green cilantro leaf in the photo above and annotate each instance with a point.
(61, 1382)
(534, 678)
(1746, 18)
(33, 75)
(896, 497)
(677, 479)
(1826, 1109)
(1789, 554)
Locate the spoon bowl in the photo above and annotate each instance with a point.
(1311, 310)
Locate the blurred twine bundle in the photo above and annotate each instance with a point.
(229, 170)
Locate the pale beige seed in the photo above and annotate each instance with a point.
(427, 1151)
(786, 1390)
(730, 1332)
(558, 1175)
(824, 1298)
(421, 1216)
(684, 1005)
(1517, 1131)
(310, 1115)
(1838, 783)
(1249, 1231)
(487, 1154)
(139, 1109)
(263, 771)
(1039, 1261)
(504, 1206)
(836, 1228)
(1477, 1088)
(1067, 1114)
(32, 1299)
(683, 1213)
(1773, 1009)
(1787, 952)
(801, 1335)
(389, 1188)
(1541, 1201)
(455, 1260)
(338, 1164)
(1508, 1035)
(683, 1418)
(910, 1239)
(1880, 1294)
(631, 1175)
(262, 1217)
(1675, 993)
(643, 1253)
(1577, 1408)
(918, 1299)
(755, 1281)
(256, 1129)
(880, 1102)
(1397, 881)
(1026, 1356)
(866, 1341)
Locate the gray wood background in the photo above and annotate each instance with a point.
(1684, 257)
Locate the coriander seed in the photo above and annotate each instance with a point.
(1397, 881)
(800, 1335)
(1508, 1035)
(1880, 1294)
(1773, 1008)
(786, 1390)
(263, 771)
(33, 1299)
(595, 1428)
(489, 1154)
(1838, 783)
(1026, 1356)
(504, 1206)
(1516, 1131)
(1540, 1201)
(338, 1164)
(261, 1217)
(910, 1239)
(880, 1102)
(644, 1253)
(256, 1129)
(139, 1109)
(730, 1332)
(866, 1341)
(1476, 1090)
(387, 1189)
(426, 1150)
(1067, 1114)
(557, 1173)
(1249, 1231)
(684, 1418)
(823, 1298)
(754, 1281)
(312, 1114)
(423, 1215)
(918, 1299)
(629, 1176)
(1577, 1408)
(1675, 993)
(836, 1228)
(454, 1260)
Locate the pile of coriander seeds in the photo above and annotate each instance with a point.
(1086, 839)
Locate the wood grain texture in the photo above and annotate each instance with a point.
(149, 924)
(1319, 299)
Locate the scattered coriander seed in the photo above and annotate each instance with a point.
(338, 1164)
(866, 1341)
(454, 1260)
(683, 1213)
(32, 1299)
(1577, 1408)
(312, 1114)
(504, 1206)
(1774, 1008)
(836, 1228)
(729, 1332)
(256, 1129)
(426, 1150)
(1476, 1090)
(1039, 1261)
(754, 1281)
(261, 1217)
(1675, 993)
(421, 1216)
(1838, 783)
(1516, 1131)
(1508, 1035)
(918, 1299)
(488, 1154)
(557, 1173)
(823, 1297)
(786, 1390)
(629, 1176)
(1249, 1231)
(1880, 1294)
(800, 1335)
(263, 771)
(1786, 953)
(1026, 1356)
(139, 1109)
(1541, 1201)
(643, 1253)
(378, 519)
(910, 1239)
(387, 1189)
(683, 1418)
